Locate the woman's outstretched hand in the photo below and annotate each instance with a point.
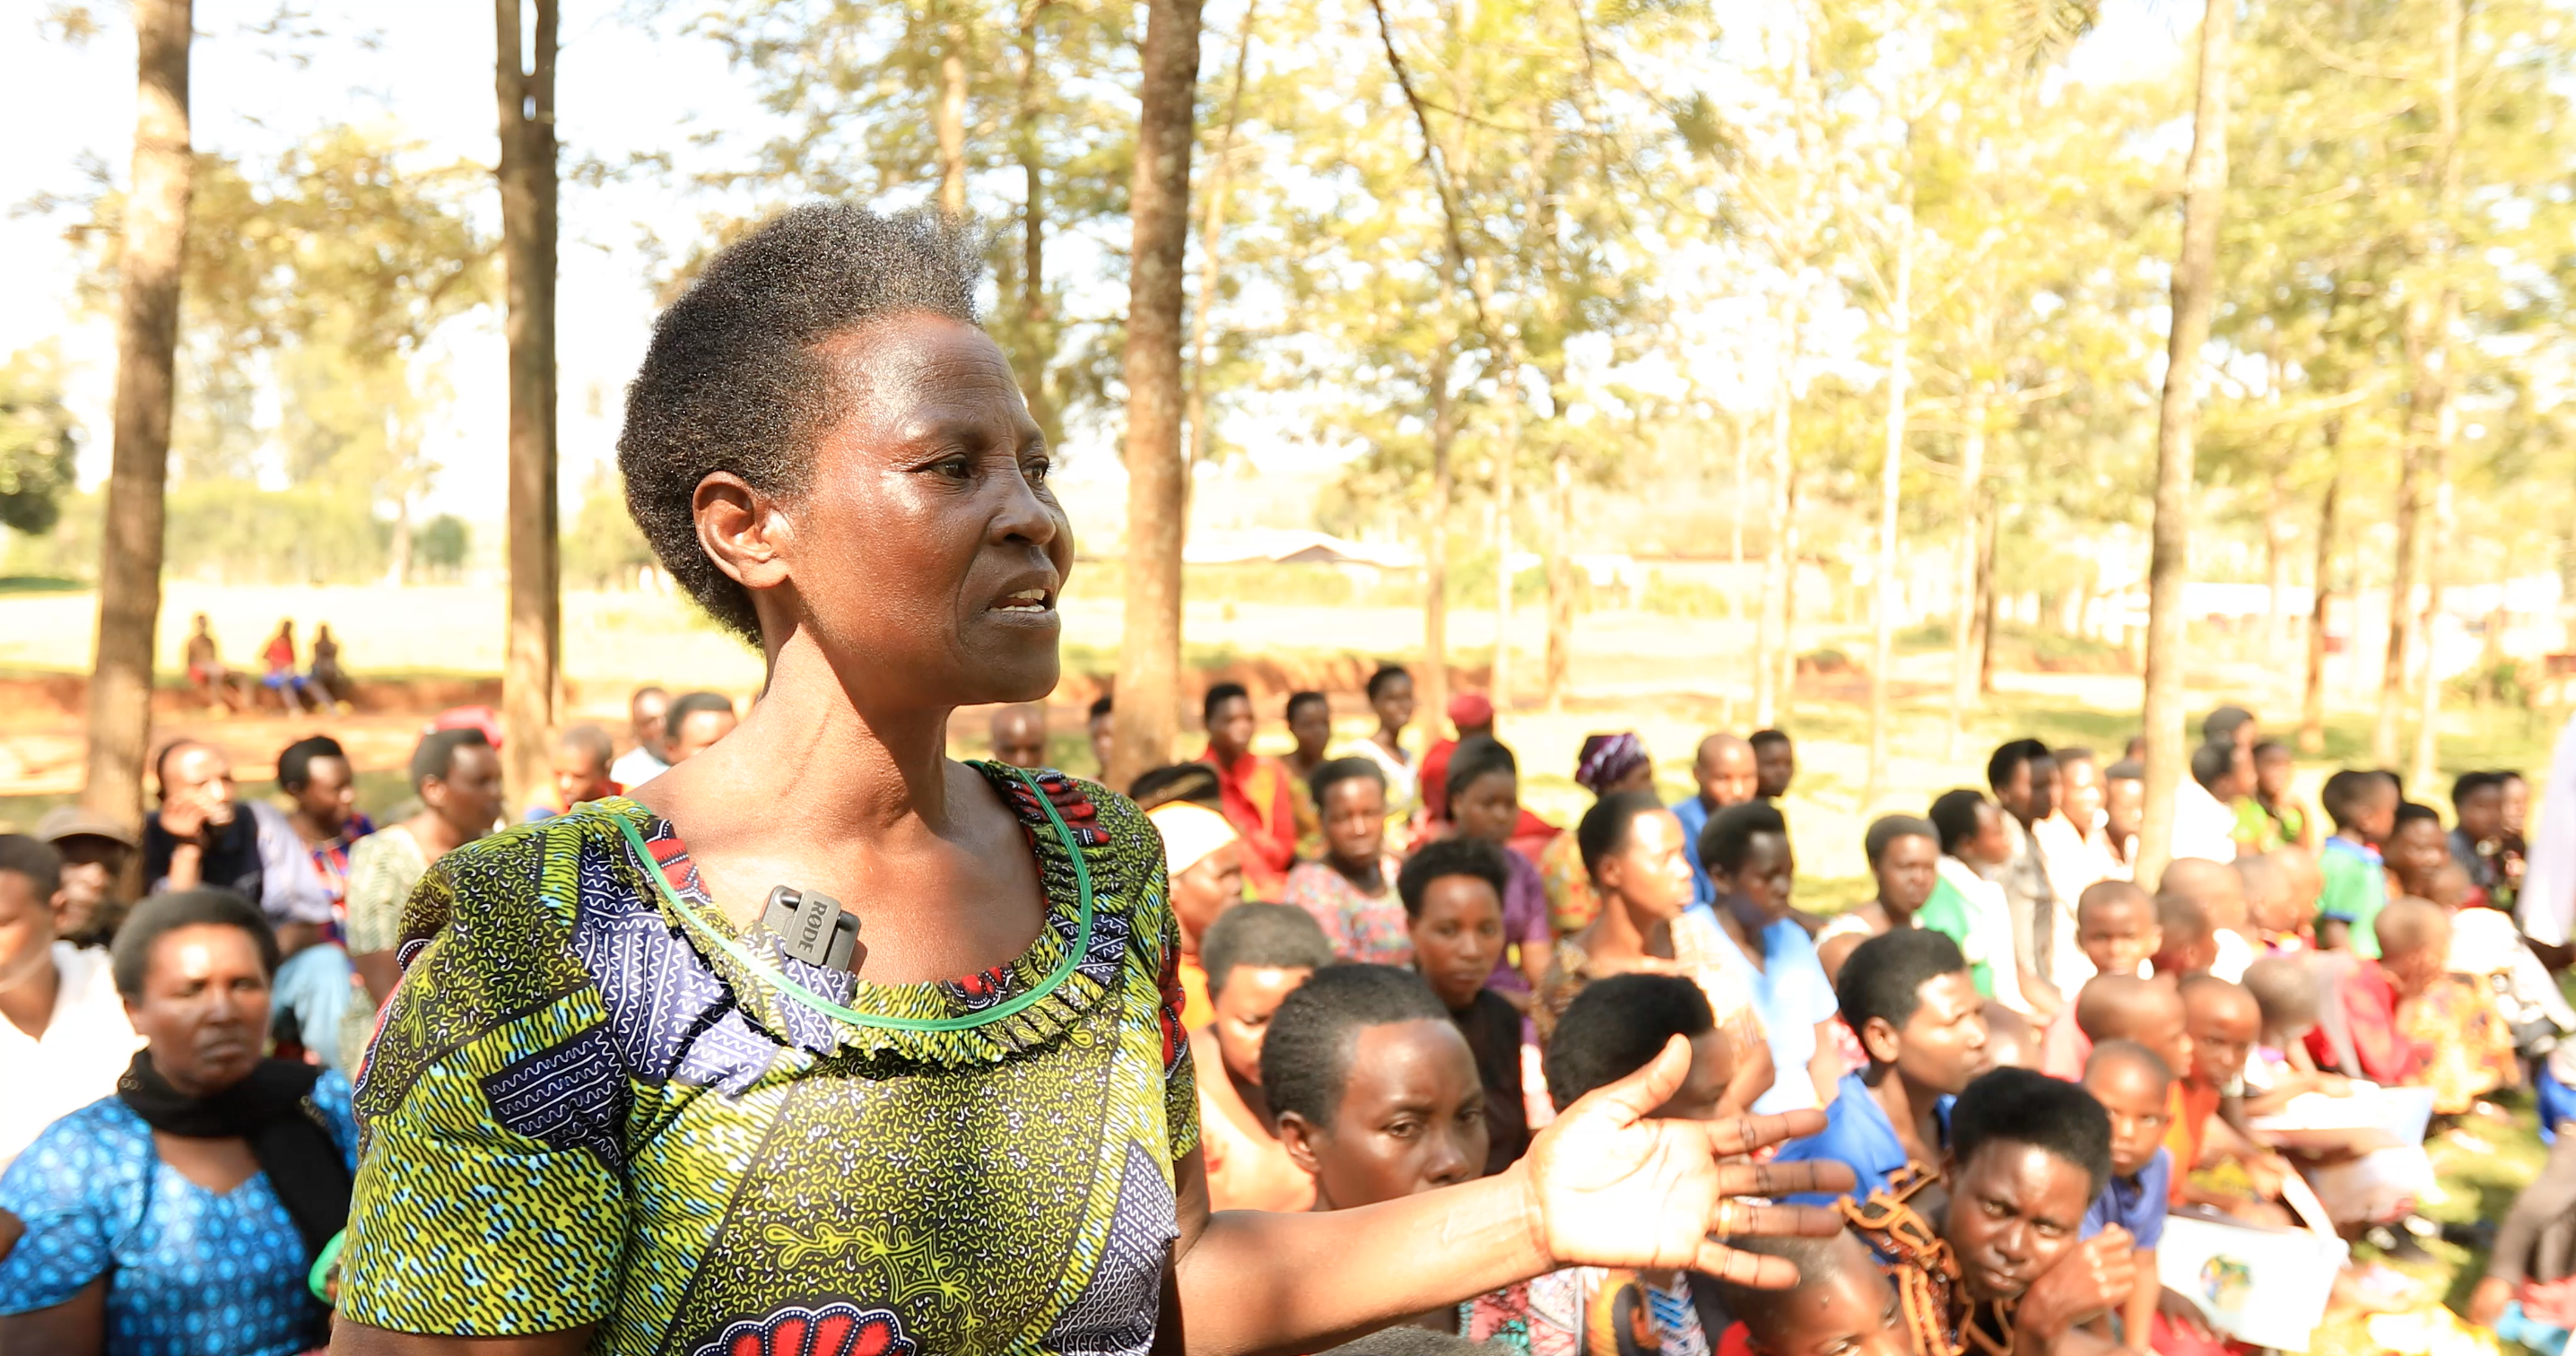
(1613, 1187)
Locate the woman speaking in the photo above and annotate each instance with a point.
(825, 1044)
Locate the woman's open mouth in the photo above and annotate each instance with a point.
(1026, 602)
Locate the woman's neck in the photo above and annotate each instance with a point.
(1302, 765)
(1911, 1110)
(1369, 875)
(1621, 933)
(436, 836)
(1391, 739)
(1253, 1098)
(313, 834)
(1889, 919)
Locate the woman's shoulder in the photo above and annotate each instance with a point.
(90, 1149)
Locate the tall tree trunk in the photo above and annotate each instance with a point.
(949, 122)
(1038, 337)
(398, 555)
(1891, 481)
(1989, 531)
(2387, 726)
(2276, 571)
(1560, 578)
(1212, 225)
(1505, 341)
(1768, 638)
(532, 673)
(1787, 655)
(2436, 382)
(1149, 652)
(147, 342)
(1967, 564)
(1735, 529)
(2312, 695)
(1433, 686)
(2195, 296)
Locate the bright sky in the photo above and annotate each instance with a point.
(628, 83)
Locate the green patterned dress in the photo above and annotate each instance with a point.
(582, 1108)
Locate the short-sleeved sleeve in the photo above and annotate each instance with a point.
(1180, 1076)
(65, 1190)
(489, 1200)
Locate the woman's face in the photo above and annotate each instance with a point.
(1411, 1118)
(1393, 703)
(1759, 890)
(1649, 872)
(1991, 846)
(2079, 793)
(1355, 821)
(926, 550)
(1488, 807)
(204, 1007)
(1251, 995)
(1457, 936)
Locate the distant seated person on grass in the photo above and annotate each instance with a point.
(327, 676)
(1612, 1029)
(2363, 807)
(583, 756)
(2006, 1268)
(1907, 996)
(2115, 926)
(1257, 954)
(206, 671)
(282, 677)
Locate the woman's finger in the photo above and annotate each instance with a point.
(1744, 1134)
(1785, 1179)
(1644, 1090)
(1736, 1218)
(1744, 1268)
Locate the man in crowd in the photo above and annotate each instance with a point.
(1260, 797)
(583, 771)
(2024, 779)
(697, 720)
(66, 1038)
(2204, 823)
(1728, 773)
(457, 776)
(1775, 763)
(645, 712)
(2124, 810)
(94, 850)
(1019, 735)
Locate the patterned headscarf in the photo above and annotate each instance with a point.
(1606, 758)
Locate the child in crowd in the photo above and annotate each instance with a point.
(2363, 806)
(1453, 908)
(1842, 1304)
(2011, 1041)
(2186, 944)
(2115, 924)
(1613, 1028)
(2223, 1022)
(1908, 997)
(2288, 923)
(2135, 1087)
(2415, 850)
(2290, 822)
(1973, 843)
(2218, 891)
(2357, 1032)
(1256, 955)
(1376, 1098)
(2280, 1068)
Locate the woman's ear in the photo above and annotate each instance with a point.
(1879, 1037)
(742, 530)
(1297, 1137)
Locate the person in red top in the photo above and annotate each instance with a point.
(1473, 715)
(2358, 1033)
(1260, 797)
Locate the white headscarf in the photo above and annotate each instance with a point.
(1190, 832)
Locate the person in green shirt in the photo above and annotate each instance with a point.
(2363, 806)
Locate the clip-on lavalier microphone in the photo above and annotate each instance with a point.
(812, 926)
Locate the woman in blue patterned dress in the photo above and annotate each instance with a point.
(641, 1089)
(181, 1216)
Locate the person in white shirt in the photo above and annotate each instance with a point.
(2204, 822)
(66, 1037)
(2547, 906)
(649, 758)
(2078, 857)
(1974, 844)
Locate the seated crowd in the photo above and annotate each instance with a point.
(1392, 974)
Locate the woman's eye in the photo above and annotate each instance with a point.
(955, 468)
(1036, 471)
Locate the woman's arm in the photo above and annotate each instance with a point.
(1825, 1066)
(1603, 1185)
(1754, 1071)
(75, 1327)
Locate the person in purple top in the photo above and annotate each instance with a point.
(1485, 802)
